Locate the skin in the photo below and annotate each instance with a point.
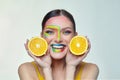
(52, 27)
(62, 65)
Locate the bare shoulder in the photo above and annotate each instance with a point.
(91, 66)
(90, 71)
(26, 71)
(25, 66)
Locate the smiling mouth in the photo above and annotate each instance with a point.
(58, 47)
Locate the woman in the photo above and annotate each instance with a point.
(58, 27)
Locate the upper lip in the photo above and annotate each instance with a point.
(60, 45)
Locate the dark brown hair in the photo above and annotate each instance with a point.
(58, 12)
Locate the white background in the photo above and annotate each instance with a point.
(98, 19)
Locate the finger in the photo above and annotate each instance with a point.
(70, 53)
(33, 56)
(68, 49)
(27, 41)
(89, 44)
(81, 57)
(87, 52)
(26, 44)
(47, 51)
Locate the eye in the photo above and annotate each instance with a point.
(49, 32)
(66, 32)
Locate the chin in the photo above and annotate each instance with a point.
(58, 56)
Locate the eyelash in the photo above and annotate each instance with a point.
(49, 32)
(66, 32)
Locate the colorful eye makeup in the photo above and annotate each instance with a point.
(51, 29)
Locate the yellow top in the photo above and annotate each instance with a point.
(40, 77)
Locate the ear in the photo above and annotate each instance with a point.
(41, 34)
(76, 33)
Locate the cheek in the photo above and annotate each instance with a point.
(68, 39)
(49, 39)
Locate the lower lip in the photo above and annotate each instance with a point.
(57, 50)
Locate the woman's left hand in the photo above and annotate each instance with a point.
(74, 60)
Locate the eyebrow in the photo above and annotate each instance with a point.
(57, 27)
(67, 28)
(53, 26)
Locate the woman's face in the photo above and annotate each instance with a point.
(58, 32)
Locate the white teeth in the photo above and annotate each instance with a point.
(58, 46)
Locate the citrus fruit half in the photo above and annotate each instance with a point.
(38, 46)
(78, 45)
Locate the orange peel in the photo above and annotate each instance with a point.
(38, 46)
(78, 45)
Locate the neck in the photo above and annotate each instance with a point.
(58, 64)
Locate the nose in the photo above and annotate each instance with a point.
(58, 39)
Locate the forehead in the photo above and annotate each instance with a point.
(60, 21)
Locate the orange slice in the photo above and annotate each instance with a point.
(38, 46)
(78, 45)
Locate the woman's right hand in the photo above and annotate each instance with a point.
(44, 61)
